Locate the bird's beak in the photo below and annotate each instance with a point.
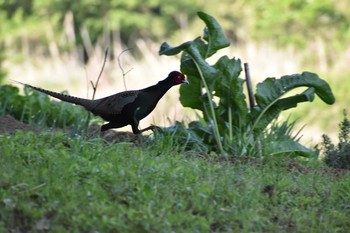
(185, 81)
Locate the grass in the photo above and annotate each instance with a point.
(53, 183)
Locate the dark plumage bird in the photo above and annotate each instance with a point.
(124, 108)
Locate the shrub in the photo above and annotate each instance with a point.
(338, 156)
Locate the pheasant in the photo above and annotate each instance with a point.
(124, 108)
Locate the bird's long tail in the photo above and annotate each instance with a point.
(67, 98)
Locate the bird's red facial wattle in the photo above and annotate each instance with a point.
(180, 78)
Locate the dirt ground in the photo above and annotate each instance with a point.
(10, 125)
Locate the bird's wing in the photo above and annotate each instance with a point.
(114, 104)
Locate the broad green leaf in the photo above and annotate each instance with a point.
(200, 46)
(188, 66)
(272, 89)
(291, 102)
(193, 59)
(166, 49)
(207, 70)
(275, 110)
(229, 88)
(190, 95)
(289, 147)
(213, 34)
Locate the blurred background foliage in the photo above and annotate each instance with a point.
(303, 34)
(322, 25)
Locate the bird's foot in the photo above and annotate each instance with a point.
(154, 128)
(157, 129)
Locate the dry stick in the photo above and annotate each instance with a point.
(94, 88)
(252, 103)
(121, 67)
(249, 86)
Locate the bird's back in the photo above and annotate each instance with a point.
(111, 106)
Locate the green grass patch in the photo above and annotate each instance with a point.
(50, 182)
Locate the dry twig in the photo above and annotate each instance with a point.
(94, 86)
(121, 68)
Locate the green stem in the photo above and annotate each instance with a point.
(210, 98)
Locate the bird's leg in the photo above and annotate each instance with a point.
(135, 125)
(135, 128)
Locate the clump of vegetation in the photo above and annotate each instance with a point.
(228, 125)
(35, 107)
(338, 156)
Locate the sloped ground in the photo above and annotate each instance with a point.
(10, 125)
(125, 188)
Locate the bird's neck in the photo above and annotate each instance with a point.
(160, 88)
(164, 84)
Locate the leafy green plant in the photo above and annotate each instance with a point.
(281, 139)
(338, 156)
(217, 92)
(35, 107)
